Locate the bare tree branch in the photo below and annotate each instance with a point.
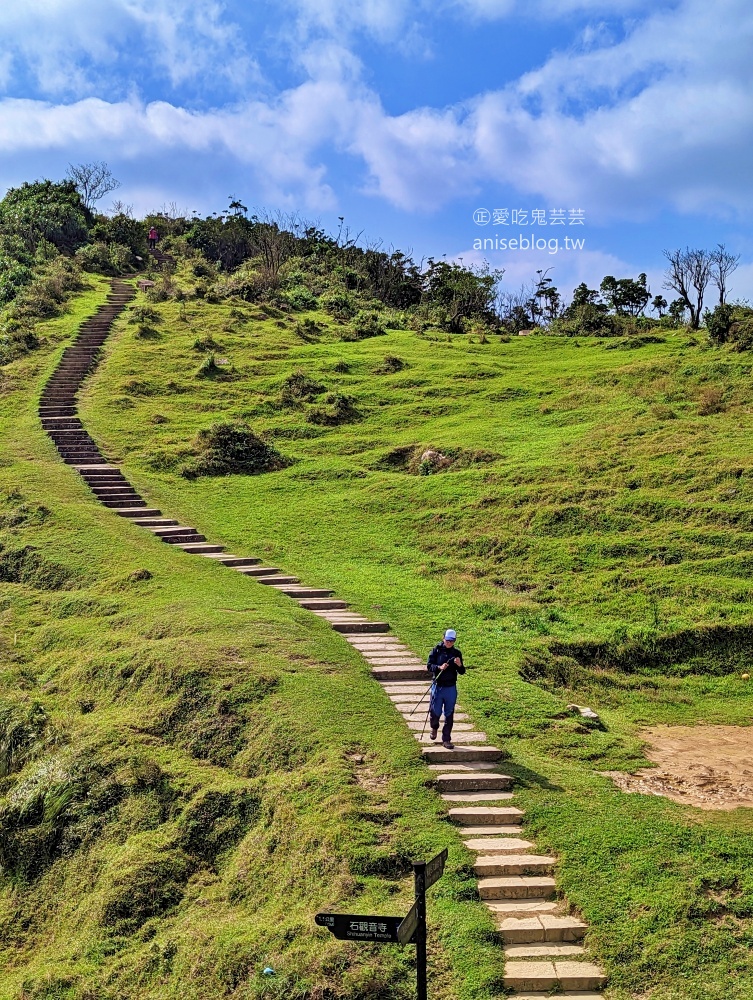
(723, 263)
(93, 180)
(688, 274)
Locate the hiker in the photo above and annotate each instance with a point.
(153, 237)
(444, 664)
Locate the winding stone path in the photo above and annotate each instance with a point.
(543, 944)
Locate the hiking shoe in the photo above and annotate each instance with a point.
(448, 744)
(433, 734)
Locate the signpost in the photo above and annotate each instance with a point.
(410, 929)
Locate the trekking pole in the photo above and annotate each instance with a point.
(426, 718)
(427, 691)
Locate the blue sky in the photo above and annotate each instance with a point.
(405, 116)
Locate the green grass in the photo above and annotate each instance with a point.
(192, 765)
(595, 531)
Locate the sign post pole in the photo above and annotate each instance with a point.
(419, 875)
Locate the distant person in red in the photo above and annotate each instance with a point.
(153, 237)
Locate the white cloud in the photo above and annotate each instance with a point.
(273, 141)
(663, 117)
(80, 47)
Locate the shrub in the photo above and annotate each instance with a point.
(306, 328)
(146, 332)
(165, 287)
(718, 323)
(299, 388)
(205, 344)
(712, 401)
(202, 269)
(390, 365)
(732, 325)
(300, 297)
(249, 283)
(364, 325)
(339, 304)
(143, 314)
(342, 367)
(233, 448)
(338, 409)
(97, 258)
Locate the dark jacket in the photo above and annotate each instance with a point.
(439, 655)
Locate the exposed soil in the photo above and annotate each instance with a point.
(710, 767)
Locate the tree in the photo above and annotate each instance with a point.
(677, 310)
(584, 296)
(659, 305)
(92, 180)
(43, 211)
(627, 297)
(463, 292)
(545, 300)
(688, 274)
(723, 263)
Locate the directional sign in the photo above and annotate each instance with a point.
(435, 868)
(351, 927)
(407, 928)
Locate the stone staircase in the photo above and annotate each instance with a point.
(162, 260)
(543, 945)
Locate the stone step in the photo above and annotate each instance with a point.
(396, 660)
(487, 866)
(153, 522)
(473, 782)
(438, 755)
(501, 909)
(175, 539)
(315, 604)
(546, 976)
(176, 530)
(534, 950)
(472, 768)
(465, 738)
(498, 845)
(516, 887)
(353, 627)
(386, 645)
(139, 512)
(459, 797)
(292, 590)
(493, 830)
(230, 560)
(277, 581)
(568, 995)
(416, 723)
(129, 502)
(485, 815)
(253, 569)
(541, 928)
(340, 615)
(81, 460)
(394, 673)
(200, 548)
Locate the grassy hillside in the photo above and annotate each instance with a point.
(592, 532)
(190, 765)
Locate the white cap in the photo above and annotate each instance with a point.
(450, 634)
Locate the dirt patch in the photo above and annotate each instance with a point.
(710, 767)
